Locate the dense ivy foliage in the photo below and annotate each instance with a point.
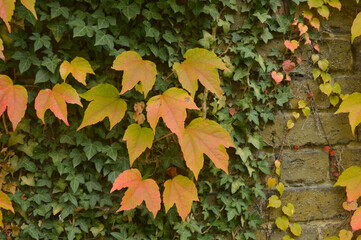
(64, 176)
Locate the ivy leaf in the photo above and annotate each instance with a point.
(274, 202)
(356, 27)
(335, 4)
(288, 210)
(138, 190)
(324, 11)
(56, 100)
(14, 98)
(138, 139)
(345, 235)
(296, 229)
(315, 3)
(282, 223)
(352, 105)
(208, 137)
(200, 64)
(356, 220)
(171, 106)
(6, 11)
(182, 192)
(79, 67)
(30, 5)
(105, 102)
(5, 202)
(135, 69)
(351, 179)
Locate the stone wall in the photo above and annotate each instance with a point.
(307, 172)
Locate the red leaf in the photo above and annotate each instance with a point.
(56, 100)
(171, 106)
(14, 98)
(288, 66)
(135, 69)
(182, 192)
(278, 77)
(288, 78)
(203, 136)
(291, 45)
(138, 191)
(232, 111)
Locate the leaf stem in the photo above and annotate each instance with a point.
(164, 136)
(5, 126)
(204, 103)
(169, 75)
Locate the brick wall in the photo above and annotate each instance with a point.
(307, 172)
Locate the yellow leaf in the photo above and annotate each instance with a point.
(356, 27)
(79, 67)
(271, 182)
(282, 223)
(352, 105)
(280, 188)
(296, 229)
(288, 210)
(274, 202)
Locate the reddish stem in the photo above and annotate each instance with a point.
(169, 75)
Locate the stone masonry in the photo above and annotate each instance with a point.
(307, 172)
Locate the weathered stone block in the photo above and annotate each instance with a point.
(349, 83)
(304, 167)
(350, 155)
(314, 203)
(332, 228)
(308, 131)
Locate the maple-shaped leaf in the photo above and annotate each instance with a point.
(105, 102)
(352, 104)
(208, 137)
(14, 98)
(351, 179)
(200, 64)
(6, 11)
(5, 202)
(56, 100)
(171, 106)
(138, 191)
(138, 139)
(79, 67)
(135, 70)
(30, 5)
(356, 220)
(2, 50)
(182, 192)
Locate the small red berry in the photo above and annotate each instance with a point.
(327, 148)
(297, 147)
(331, 152)
(310, 94)
(335, 174)
(266, 91)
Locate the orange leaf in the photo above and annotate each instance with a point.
(208, 137)
(2, 50)
(105, 102)
(30, 5)
(6, 11)
(352, 206)
(278, 77)
(171, 106)
(291, 45)
(200, 64)
(79, 67)
(56, 100)
(302, 28)
(352, 105)
(5, 202)
(356, 220)
(315, 23)
(351, 179)
(14, 98)
(138, 190)
(182, 192)
(135, 69)
(138, 139)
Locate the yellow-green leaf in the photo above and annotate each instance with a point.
(335, 4)
(105, 102)
(282, 223)
(296, 115)
(352, 105)
(316, 73)
(351, 179)
(274, 202)
(288, 210)
(324, 11)
(290, 124)
(296, 229)
(138, 139)
(345, 235)
(135, 70)
(271, 182)
(200, 64)
(280, 188)
(323, 64)
(315, 58)
(334, 99)
(326, 77)
(326, 88)
(79, 67)
(6, 11)
(315, 3)
(5, 202)
(287, 238)
(336, 88)
(306, 111)
(332, 238)
(301, 104)
(356, 27)
(30, 5)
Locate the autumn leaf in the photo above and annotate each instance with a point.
(296, 229)
(356, 220)
(1, 219)
(315, 22)
(351, 179)
(278, 77)
(2, 50)
(6, 11)
(345, 235)
(291, 45)
(105, 102)
(56, 100)
(5, 202)
(182, 192)
(79, 67)
(335, 4)
(30, 5)
(171, 106)
(315, 3)
(356, 27)
(138, 191)
(302, 28)
(352, 105)
(274, 202)
(200, 64)
(288, 66)
(13, 98)
(350, 206)
(208, 137)
(288, 210)
(282, 223)
(271, 182)
(324, 11)
(135, 70)
(138, 139)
